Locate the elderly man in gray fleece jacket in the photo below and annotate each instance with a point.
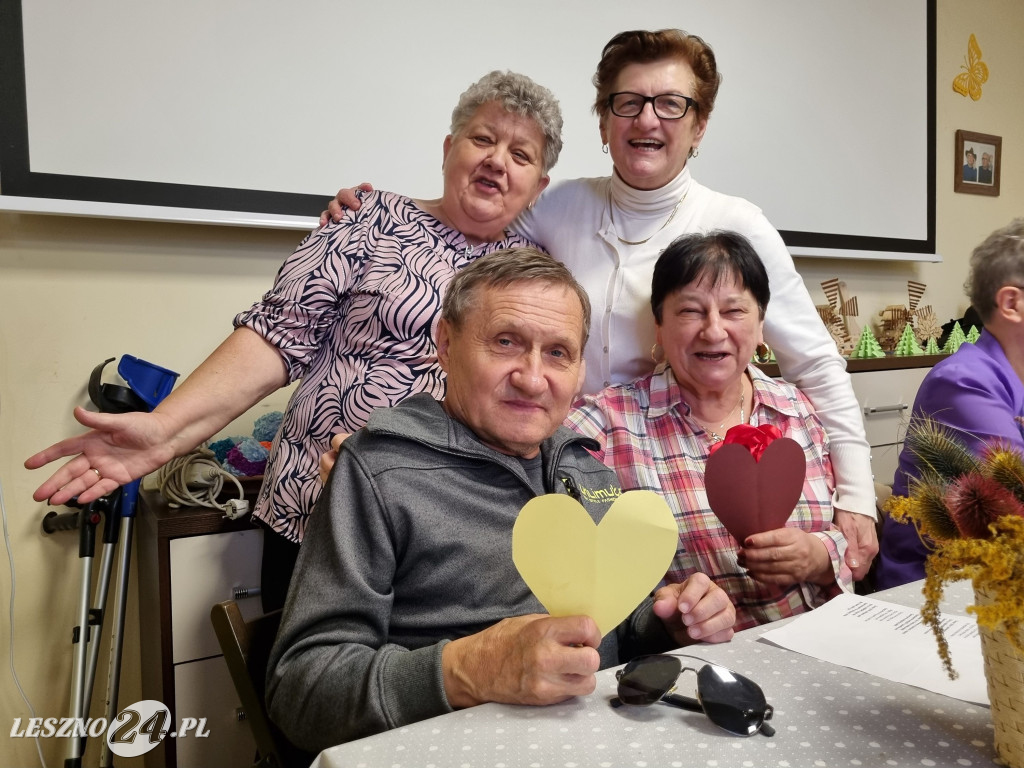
(405, 602)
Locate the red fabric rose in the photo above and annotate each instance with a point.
(754, 439)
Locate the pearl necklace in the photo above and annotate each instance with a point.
(611, 217)
(713, 435)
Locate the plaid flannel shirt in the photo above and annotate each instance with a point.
(648, 437)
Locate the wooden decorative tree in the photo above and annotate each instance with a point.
(923, 317)
(835, 315)
(893, 319)
(890, 325)
(926, 325)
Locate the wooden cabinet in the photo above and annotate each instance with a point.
(885, 388)
(189, 559)
(886, 399)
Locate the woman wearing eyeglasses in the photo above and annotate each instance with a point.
(655, 94)
(709, 294)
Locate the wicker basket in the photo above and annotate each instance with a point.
(1004, 673)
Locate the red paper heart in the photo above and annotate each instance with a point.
(751, 496)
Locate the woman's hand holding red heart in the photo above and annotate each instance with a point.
(786, 556)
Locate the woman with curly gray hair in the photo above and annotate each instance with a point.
(350, 316)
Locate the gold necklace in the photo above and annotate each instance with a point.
(624, 241)
(713, 435)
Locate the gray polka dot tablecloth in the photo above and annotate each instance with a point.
(825, 715)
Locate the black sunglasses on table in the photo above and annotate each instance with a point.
(731, 701)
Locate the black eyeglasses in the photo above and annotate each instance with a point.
(731, 701)
(667, 106)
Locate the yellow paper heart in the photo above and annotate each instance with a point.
(574, 566)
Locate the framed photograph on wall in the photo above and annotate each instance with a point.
(977, 161)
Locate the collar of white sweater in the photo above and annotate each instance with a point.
(644, 205)
(638, 213)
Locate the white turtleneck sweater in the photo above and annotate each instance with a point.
(573, 220)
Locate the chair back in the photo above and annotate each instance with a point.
(246, 646)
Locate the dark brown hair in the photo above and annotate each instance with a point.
(642, 46)
(715, 256)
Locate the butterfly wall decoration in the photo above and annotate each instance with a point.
(969, 82)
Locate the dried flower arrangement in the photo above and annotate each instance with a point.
(972, 509)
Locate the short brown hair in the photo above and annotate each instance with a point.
(642, 46)
(716, 256)
(503, 268)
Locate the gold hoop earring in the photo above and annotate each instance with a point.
(654, 354)
(762, 353)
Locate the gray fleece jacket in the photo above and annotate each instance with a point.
(410, 547)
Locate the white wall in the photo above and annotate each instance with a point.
(213, 85)
(962, 220)
(76, 291)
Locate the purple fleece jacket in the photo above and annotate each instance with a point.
(976, 392)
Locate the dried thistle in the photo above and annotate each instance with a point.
(973, 510)
(938, 450)
(1006, 467)
(931, 514)
(975, 502)
(995, 565)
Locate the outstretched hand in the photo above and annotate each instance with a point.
(698, 610)
(346, 199)
(118, 448)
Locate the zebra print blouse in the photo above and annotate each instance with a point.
(352, 313)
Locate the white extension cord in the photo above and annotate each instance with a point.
(196, 479)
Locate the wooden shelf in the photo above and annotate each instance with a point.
(887, 363)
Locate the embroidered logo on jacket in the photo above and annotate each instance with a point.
(610, 493)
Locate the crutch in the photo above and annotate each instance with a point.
(148, 384)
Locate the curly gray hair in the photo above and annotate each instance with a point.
(519, 95)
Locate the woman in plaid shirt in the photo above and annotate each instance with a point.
(709, 296)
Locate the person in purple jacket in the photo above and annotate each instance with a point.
(978, 391)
